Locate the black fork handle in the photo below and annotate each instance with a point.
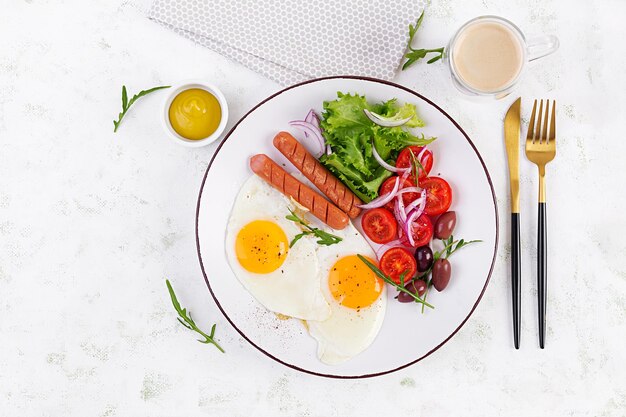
(516, 269)
(542, 272)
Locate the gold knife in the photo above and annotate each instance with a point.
(511, 140)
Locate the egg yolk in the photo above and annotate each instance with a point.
(353, 284)
(195, 114)
(261, 246)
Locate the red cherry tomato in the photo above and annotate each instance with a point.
(379, 225)
(427, 160)
(438, 195)
(387, 187)
(397, 261)
(422, 232)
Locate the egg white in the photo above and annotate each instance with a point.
(294, 288)
(347, 332)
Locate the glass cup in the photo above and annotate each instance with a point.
(525, 51)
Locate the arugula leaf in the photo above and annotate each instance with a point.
(399, 287)
(416, 54)
(413, 29)
(436, 58)
(324, 238)
(296, 238)
(186, 320)
(402, 275)
(126, 103)
(451, 246)
(124, 98)
(350, 133)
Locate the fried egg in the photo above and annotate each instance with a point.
(284, 280)
(357, 298)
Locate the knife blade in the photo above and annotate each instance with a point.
(511, 141)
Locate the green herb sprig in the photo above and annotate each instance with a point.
(416, 165)
(450, 246)
(324, 238)
(186, 320)
(399, 287)
(126, 103)
(416, 54)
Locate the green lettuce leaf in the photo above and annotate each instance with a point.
(391, 112)
(353, 179)
(350, 134)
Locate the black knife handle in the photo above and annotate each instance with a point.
(542, 272)
(516, 271)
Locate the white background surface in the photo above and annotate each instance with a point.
(91, 223)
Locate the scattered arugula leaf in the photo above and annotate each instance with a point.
(186, 320)
(399, 287)
(324, 238)
(416, 54)
(126, 103)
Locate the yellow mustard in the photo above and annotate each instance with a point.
(195, 114)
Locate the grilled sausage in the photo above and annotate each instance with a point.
(317, 173)
(270, 171)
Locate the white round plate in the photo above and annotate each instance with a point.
(407, 336)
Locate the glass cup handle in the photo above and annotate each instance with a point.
(540, 46)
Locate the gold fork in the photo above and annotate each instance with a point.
(541, 149)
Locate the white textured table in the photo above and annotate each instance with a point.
(91, 223)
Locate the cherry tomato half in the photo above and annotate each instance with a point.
(387, 187)
(396, 261)
(422, 232)
(379, 225)
(438, 195)
(404, 160)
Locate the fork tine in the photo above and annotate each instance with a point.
(531, 125)
(539, 118)
(553, 122)
(544, 131)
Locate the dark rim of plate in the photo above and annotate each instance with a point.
(495, 207)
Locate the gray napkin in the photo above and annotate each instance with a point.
(291, 41)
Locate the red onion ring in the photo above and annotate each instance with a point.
(410, 190)
(383, 248)
(310, 128)
(419, 155)
(384, 122)
(399, 210)
(384, 164)
(417, 202)
(425, 159)
(408, 227)
(383, 199)
(312, 118)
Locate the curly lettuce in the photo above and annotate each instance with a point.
(351, 134)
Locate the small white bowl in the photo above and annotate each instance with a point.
(179, 88)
